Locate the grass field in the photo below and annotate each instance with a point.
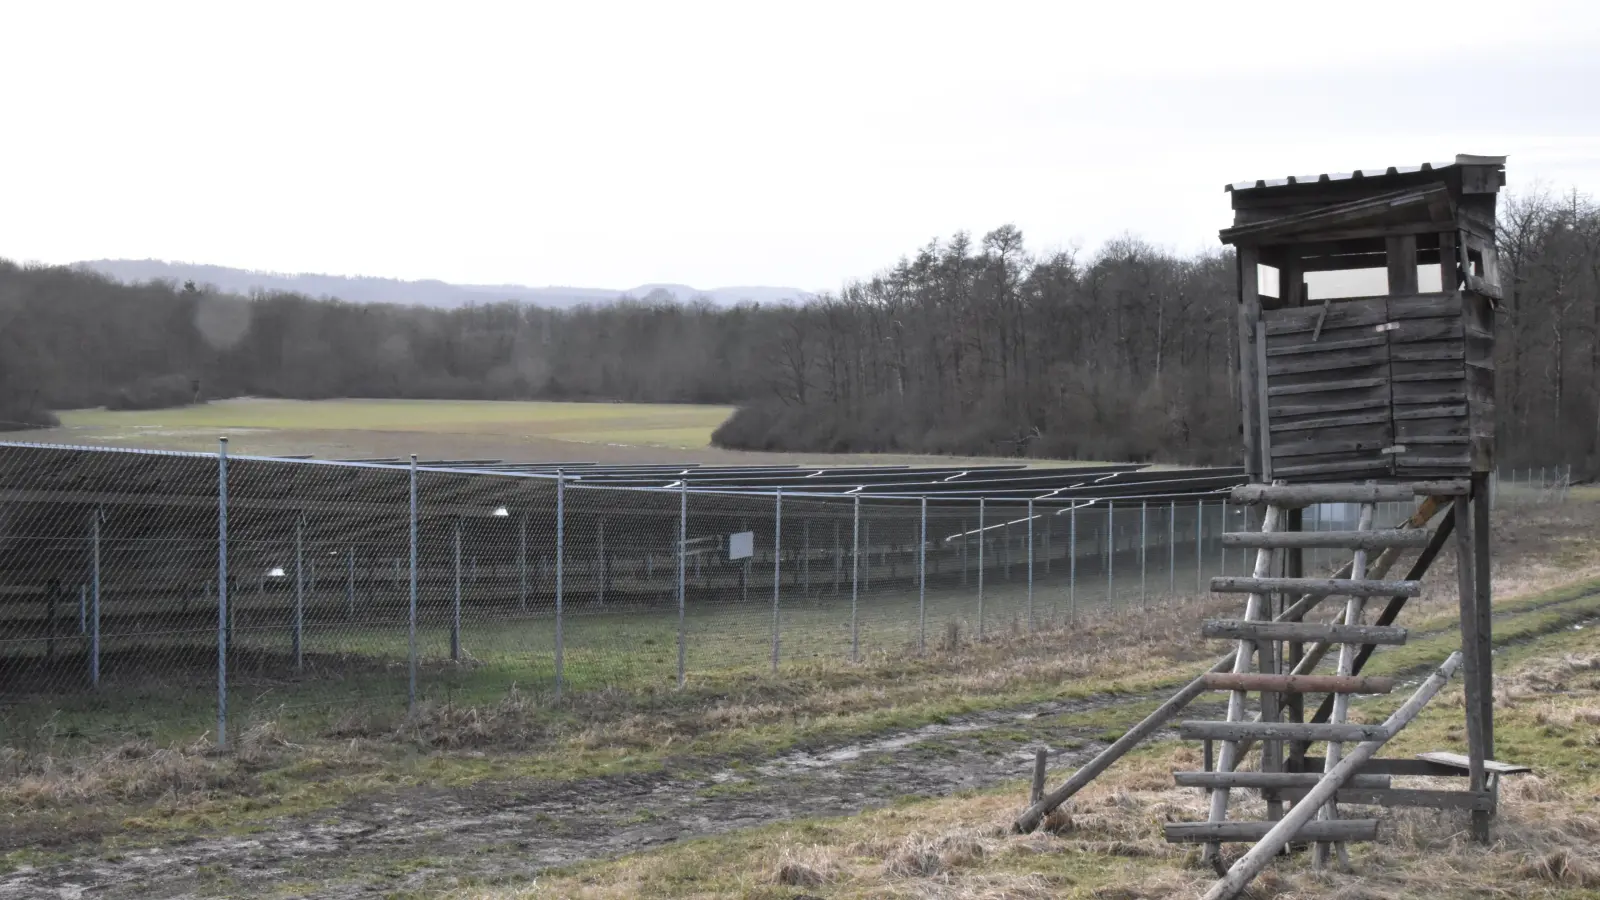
(652, 426)
(533, 431)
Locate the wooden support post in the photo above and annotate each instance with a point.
(1249, 312)
(1040, 757)
(1483, 603)
(1466, 569)
(1402, 257)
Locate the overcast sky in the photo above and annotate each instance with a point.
(799, 144)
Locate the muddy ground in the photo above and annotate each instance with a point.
(423, 841)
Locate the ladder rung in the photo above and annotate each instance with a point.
(1270, 780)
(1273, 731)
(1240, 629)
(1293, 495)
(1299, 684)
(1425, 798)
(1337, 540)
(1317, 587)
(1330, 830)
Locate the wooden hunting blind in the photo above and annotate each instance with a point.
(1358, 394)
(1398, 384)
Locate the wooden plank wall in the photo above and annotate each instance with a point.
(1429, 383)
(1328, 390)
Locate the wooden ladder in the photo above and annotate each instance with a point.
(1260, 667)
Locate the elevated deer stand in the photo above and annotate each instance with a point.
(1351, 400)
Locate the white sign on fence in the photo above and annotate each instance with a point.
(742, 545)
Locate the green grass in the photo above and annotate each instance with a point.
(660, 425)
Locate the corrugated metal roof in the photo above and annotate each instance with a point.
(1461, 159)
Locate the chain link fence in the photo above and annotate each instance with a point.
(175, 594)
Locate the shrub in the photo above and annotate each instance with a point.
(157, 392)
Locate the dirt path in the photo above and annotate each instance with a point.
(425, 841)
(428, 840)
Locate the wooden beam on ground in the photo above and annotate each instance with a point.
(1206, 832)
(1335, 540)
(1422, 798)
(1299, 684)
(1238, 629)
(1326, 587)
(1270, 780)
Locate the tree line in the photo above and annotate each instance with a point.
(969, 346)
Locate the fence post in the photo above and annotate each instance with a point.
(1222, 550)
(855, 568)
(455, 608)
(1172, 550)
(222, 594)
(1144, 549)
(1199, 544)
(683, 563)
(1030, 564)
(838, 558)
(601, 562)
(980, 567)
(1072, 567)
(94, 575)
(561, 568)
(522, 561)
(922, 582)
(83, 608)
(299, 592)
(1111, 554)
(777, 570)
(411, 617)
(805, 558)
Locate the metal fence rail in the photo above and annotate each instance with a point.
(175, 593)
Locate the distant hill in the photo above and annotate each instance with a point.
(362, 289)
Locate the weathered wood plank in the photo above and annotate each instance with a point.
(1424, 306)
(1335, 830)
(1299, 684)
(1401, 252)
(1343, 421)
(1342, 540)
(1324, 345)
(1313, 587)
(1411, 331)
(1328, 408)
(1439, 351)
(1404, 413)
(1404, 797)
(1327, 446)
(1284, 731)
(1331, 361)
(1310, 494)
(1464, 763)
(1236, 629)
(1341, 314)
(1259, 780)
(1319, 387)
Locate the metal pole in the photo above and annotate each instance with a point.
(561, 550)
(1222, 551)
(1111, 553)
(980, 567)
(683, 559)
(1030, 565)
(1199, 530)
(777, 570)
(922, 581)
(1172, 550)
(455, 611)
(1144, 548)
(83, 609)
(299, 592)
(805, 558)
(522, 561)
(855, 567)
(222, 594)
(1072, 567)
(94, 574)
(411, 622)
